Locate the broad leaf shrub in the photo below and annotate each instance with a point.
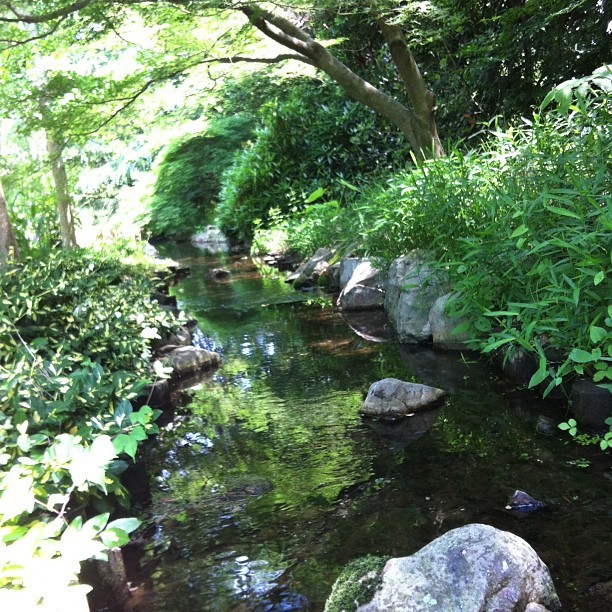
(189, 176)
(74, 351)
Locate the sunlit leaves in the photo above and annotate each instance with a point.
(63, 412)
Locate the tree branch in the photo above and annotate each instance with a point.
(406, 65)
(43, 17)
(282, 32)
(129, 100)
(15, 43)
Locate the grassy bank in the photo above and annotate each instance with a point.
(521, 225)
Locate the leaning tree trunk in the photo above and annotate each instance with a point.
(8, 244)
(62, 195)
(423, 100)
(416, 123)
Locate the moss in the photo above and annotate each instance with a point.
(357, 584)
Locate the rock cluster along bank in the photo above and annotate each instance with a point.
(411, 293)
(415, 298)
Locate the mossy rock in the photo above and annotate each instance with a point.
(356, 585)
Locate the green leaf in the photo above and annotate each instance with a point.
(519, 231)
(114, 538)
(122, 411)
(502, 313)
(125, 444)
(315, 195)
(562, 211)
(597, 334)
(125, 524)
(580, 356)
(540, 375)
(599, 277)
(494, 345)
(97, 523)
(138, 433)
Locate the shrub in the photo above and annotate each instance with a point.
(521, 226)
(538, 275)
(188, 177)
(74, 351)
(325, 224)
(297, 149)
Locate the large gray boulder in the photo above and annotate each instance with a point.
(189, 359)
(346, 269)
(365, 289)
(412, 289)
(443, 327)
(475, 568)
(211, 239)
(391, 397)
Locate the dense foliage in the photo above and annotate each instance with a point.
(521, 226)
(189, 176)
(298, 148)
(74, 337)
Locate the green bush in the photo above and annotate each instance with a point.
(325, 224)
(538, 276)
(75, 329)
(188, 177)
(315, 138)
(521, 226)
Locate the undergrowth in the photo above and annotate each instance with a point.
(522, 226)
(75, 330)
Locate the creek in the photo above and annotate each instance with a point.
(266, 481)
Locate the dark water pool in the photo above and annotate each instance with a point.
(267, 481)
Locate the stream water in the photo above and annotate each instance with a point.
(266, 481)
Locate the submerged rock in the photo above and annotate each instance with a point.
(391, 397)
(219, 274)
(211, 239)
(188, 359)
(472, 568)
(399, 433)
(371, 325)
(522, 504)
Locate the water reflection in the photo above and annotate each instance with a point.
(268, 481)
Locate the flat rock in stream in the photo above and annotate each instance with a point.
(189, 359)
(391, 397)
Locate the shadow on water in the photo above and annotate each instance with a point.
(267, 481)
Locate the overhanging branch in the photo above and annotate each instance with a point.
(131, 99)
(43, 17)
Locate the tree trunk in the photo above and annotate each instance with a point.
(8, 244)
(423, 100)
(417, 124)
(62, 195)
